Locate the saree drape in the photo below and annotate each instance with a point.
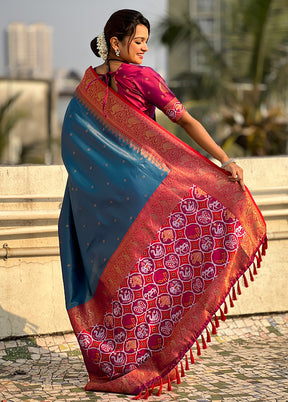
(153, 238)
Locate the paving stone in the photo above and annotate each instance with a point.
(246, 361)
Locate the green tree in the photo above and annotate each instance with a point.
(247, 80)
(9, 117)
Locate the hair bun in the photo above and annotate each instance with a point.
(93, 45)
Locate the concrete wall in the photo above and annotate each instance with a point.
(31, 295)
(267, 179)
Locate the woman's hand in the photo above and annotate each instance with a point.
(236, 173)
(198, 133)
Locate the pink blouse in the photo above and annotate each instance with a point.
(146, 90)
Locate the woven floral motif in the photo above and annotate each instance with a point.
(198, 240)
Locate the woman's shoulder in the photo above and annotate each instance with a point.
(138, 71)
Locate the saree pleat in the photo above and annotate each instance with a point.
(153, 238)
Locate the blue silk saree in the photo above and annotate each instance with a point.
(154, 239)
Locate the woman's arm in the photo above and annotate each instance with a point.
(198, 133)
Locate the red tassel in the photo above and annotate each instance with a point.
(178, 376)
(204, 345)
(258, 261)
(264, 246)
(186, 363)
(231, 301)
(146, 395)
(222, 315)
(160, 388)
(254, 269)
(208, 335)
(225, 307)
(238, 288)
(216, 321)
(138, 397)
(234, 297)
(260, 256)
(198, 348)
(214, 330)
(191, 357)
(151, 390)
(245, 281)
(251, 275)
(169, 384)
(182, 370)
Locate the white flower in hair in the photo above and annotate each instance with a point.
(102, 46)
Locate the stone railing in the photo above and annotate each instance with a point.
(32, 298)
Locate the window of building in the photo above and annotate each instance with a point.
(204, 5)
(206, 25)
(199, 61)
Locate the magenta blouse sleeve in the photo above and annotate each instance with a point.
(156, 91)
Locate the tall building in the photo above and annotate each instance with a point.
(207, 13)
(29, 50)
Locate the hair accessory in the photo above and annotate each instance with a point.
(117, 52)
(227, 163)
(102, 46)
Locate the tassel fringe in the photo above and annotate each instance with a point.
(223, 312)
(160, 388)
(136, 398)
(187, 363)
(254, 269)
(169, 388)
(178, 379)
(204, 345)
(192, 357)
(245, 281)
(222, 316)
(146, 395)
(208, 335)
(239, 289)
(264, 247)
(198, 348)
(231, 301)
(225, 308)
(214, 330)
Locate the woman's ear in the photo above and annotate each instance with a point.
(114, 42)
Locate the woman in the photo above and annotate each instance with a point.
(153, 236)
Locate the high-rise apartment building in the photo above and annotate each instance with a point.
(29, 50)
(208, 15)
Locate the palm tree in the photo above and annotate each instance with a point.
(249, 78)
(9, 117)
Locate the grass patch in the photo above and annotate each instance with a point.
(75, 352)
(21, 352)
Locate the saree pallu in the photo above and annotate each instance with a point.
(153, 238)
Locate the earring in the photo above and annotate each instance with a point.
(117, 52)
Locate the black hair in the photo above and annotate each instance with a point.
(121, 23)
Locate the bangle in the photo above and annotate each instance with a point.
(227, 163)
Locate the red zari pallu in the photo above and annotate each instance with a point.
(193, 235)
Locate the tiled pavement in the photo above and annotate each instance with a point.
(246, 361)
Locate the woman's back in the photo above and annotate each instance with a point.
(145, 89)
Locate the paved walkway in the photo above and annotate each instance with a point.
(246, 361)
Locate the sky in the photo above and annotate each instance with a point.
(76, 22)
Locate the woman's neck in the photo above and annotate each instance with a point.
(114, 64)
(119, 60)
(110, 65)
